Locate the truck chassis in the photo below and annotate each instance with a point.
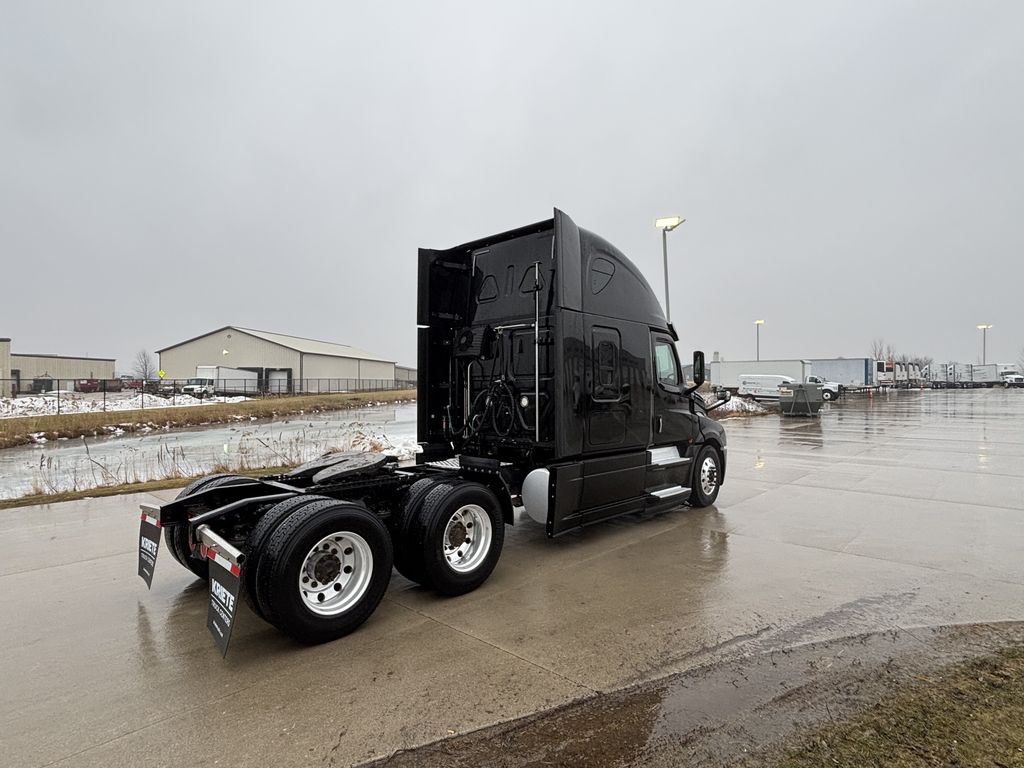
(311, 551)
(548, 380)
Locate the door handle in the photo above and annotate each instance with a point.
(658, 430)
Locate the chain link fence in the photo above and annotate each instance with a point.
(21, 397)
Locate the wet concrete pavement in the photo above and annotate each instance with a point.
(898, 512)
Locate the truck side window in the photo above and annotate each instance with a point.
(665, 364)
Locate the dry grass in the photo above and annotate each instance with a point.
(18, 431)
(971, 714)
(117, 490)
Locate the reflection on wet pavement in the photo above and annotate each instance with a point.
(897, 512)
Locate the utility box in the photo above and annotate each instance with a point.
(800, 399)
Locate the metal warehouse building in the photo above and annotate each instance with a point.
(27, 373)
(284, 363)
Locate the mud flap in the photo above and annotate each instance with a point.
(149, 546)
(225, 582)
(224, 586)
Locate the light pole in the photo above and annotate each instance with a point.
(757, 325)
(984, 332)
(666, 225)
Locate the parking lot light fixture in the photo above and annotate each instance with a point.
(984, 331)
(666, 224)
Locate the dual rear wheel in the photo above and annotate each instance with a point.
(317, 568)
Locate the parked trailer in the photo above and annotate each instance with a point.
(221, 380)
(967, 375)
(948, 375)
(889, 373)
(851, 372)
(547, 378)
(989, 375)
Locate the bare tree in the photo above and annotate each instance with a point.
(145, 365)
(877, 348)
(924, 362)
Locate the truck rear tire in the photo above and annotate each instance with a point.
(324, 570)
(408, 561)
(257, 540)
(176, 537)
(707, 477)
(457, 535)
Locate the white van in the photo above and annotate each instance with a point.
(761, 387)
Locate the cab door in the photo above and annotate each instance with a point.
(672, 422)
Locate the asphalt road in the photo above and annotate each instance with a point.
(897, 512)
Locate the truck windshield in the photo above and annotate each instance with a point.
(200, 382)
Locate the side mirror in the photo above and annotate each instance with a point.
(698, 368)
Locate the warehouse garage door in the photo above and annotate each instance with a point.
(278, 381)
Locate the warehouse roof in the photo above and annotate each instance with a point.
(299, 344)
(64, 357)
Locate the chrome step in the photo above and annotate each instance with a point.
(666, 456)
(667, 491)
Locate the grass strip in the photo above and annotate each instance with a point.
(970, 714)
(19, 431)
(123, 488)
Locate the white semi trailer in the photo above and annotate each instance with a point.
(849, 372)
(228, 381)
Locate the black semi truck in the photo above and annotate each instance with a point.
(548, 381)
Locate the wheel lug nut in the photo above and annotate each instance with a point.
(348, 550)
(313, 585)
(334, 551)
(348, 569)
(305, 579)
(468, 540)
(337, 587)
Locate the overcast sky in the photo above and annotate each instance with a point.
(847, 170)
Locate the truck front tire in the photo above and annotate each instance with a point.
(828, 394)
(324, 570)
(457, 535)
(707, 477)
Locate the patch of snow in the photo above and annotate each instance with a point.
(49, 404)
(736, 405)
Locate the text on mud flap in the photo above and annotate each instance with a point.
(223, 595)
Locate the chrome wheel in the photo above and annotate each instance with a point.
(709, 476)
(467, 538)
(336, 573)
